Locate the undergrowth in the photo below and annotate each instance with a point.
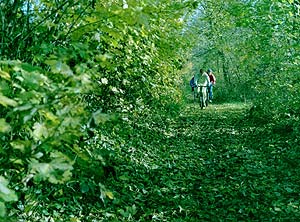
(202, 165)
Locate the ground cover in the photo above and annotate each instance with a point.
(206, 165)
(202, 165)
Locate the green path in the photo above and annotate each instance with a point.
(207, 165)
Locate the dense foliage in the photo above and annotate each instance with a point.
(253, 46)
(67, 67)
(90, 94)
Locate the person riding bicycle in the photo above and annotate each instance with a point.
(202, 83)
(192, 83)
(212, 82)
(201, 79)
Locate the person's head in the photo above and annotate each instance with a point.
(209, 71)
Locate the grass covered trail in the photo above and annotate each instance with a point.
(206, 165)
(203, 165)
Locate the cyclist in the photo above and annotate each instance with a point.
(202, 82)
(212, 82)
(192, 83)
(201, 79)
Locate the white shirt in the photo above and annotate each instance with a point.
(202, 80)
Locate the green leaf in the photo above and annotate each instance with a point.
(42, 170)
(84, 187)
(56, 171)
(4, 126)
(6, 194)
(124, 178)
(109, 194)
(58, 66)
(2, 209)
(74, 219)
(4, 75)
(50, 116)
(5, 101)
(40, 131)
(19, 145)
(30, 68)
(100, 117)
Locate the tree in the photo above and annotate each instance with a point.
(76, 65)
(253, 44)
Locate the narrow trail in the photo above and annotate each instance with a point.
(211, 165)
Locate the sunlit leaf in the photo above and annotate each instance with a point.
(4, 126)
(6, 194)
(109, 194)
(50, 116)
(5, 101)
(104, 81)
(20, 144)
(74, 219)
(4, 75)
(40, 131)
